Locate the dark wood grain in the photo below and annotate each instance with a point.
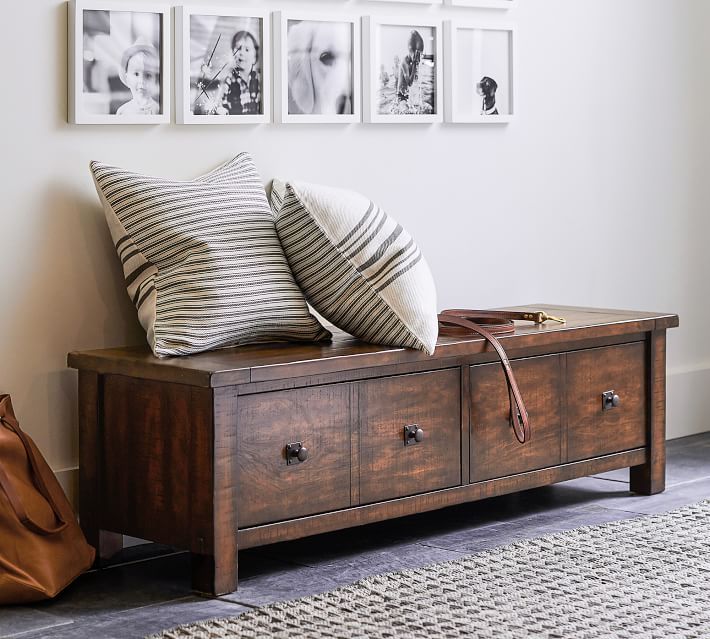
(215, 566)
(650, 478)
(191, 451)
(259, 363)
(269, 488)
(495, 451)
(593, 431)
(390, 469)
(367, 514)
(106, 543)
(146, 439)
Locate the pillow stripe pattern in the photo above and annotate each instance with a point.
(201, 259)
(357, 266)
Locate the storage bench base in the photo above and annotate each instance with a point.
(259, 445)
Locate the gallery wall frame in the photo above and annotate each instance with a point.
(481, 70)
(222, 65)
(120, 65)
(317, 67)
(402, 70)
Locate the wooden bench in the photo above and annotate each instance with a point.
(261, 444)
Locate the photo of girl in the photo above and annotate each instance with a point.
(410, 53)
(226, 72)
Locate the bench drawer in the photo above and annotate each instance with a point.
(390, 468)
(495, 451)
(594, 430)
(271, 489)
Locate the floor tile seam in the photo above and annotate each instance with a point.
(688, 481)
(433, 545)
(626, 510)
(156, 604)
(29, 632)
(241, 603)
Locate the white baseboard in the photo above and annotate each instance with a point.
(687, 401)
(69, 481)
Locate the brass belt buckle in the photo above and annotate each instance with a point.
(544, 317)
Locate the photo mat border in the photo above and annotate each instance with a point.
(75, 77)
(370, 30)
(183, 115)
(280, 51)
(451, 27)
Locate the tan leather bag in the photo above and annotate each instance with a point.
(42, 548)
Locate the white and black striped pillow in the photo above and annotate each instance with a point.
(358, 268)
(202, 260)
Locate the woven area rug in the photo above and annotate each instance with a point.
(642, 577)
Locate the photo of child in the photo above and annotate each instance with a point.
(225, 65)
(241, 89)
(140, 72)
(122, 66)
(411, 87)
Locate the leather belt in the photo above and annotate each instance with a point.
(488, 324)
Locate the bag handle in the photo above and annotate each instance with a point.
(453, 319)
(12, 495)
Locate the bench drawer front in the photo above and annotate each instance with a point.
(270, 489)
(495, 451)
(592, 430)
(388, 467)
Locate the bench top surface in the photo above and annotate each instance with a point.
(265, 362)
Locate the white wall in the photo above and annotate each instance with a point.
(597, 194)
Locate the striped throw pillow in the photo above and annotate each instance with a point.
(202, 260)
(358, 268)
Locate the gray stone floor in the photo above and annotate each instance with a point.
(148, 595)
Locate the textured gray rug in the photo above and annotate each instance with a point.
(643, 577)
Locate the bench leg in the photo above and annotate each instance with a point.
(107, 544)
(214, 548)
(650, 478)
(214, 575)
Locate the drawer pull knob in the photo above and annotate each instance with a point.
(610, 400)
(413, 434)
(296, 453)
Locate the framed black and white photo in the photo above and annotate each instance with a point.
(222, 66)
(316, 68)
(119, 63)
(480, 73)
(402, 61)
(483, 4)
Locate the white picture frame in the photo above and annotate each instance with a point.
(322, 95)
(97, 91)
(380, 92)
(483, 4)
(475, 52)
(209, 27)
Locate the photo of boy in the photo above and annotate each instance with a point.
(241, 90)
(122, 72)
(140, 72)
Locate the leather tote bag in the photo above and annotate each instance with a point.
(42, 548)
